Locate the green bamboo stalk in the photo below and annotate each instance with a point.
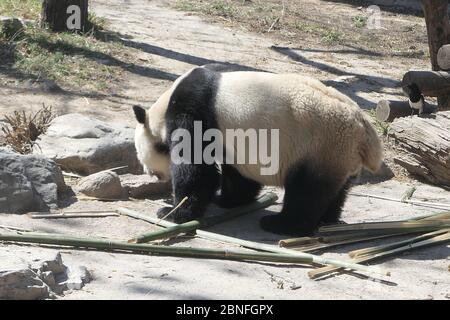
(173, 230)
(186, 252)
(440, 239)
(436, 205)
(328, 245)
(257, 246)
(420, 225)
(437, 216)
(377, 249)
(167, 232)
(73, 215)
(293, 242)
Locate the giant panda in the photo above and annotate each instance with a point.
(324, 140)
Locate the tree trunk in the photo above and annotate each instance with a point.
(389, 110)
(65, 15)
(438, 30)
(424, 146)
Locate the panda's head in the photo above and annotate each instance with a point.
(150, 138)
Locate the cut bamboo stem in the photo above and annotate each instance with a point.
(15, 228)
(87, 198)
(324, 245)
(258, 246)
(167, 232)
(262, 202)
(419, 225)
(438, 216)
(187, 252)
(293, 242)
(72, 215)
(438, 205)
(395, 245)
(440, 239)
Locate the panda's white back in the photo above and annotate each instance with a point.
(315, 122)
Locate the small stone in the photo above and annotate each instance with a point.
(102, 185)
(144, 185)
(77, 277)
(53, 264)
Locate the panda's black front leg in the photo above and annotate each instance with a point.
(197, 182)
(235, 189)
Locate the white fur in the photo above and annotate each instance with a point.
(316, 123)
(154, 131)
(417, 105)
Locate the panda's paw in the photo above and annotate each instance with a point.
(163, 212)
(279, 224)
(224, 202)
(180, 215)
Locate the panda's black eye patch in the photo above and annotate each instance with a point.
(161, 147)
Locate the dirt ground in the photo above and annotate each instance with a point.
(169, 42)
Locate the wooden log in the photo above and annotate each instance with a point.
(443, 57)
(65, 15)
(438, 26)
(430, 83)
(423, 145)
(389, 110)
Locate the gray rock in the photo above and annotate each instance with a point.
(22, 284)
(43, 278)
(52, 263)
(77, 277)
(84, 145)
(144, 185)
(28, 183)
(104, 184)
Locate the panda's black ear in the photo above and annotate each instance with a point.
(139, 112)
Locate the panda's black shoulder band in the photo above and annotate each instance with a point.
(139, 112)
(162, 147)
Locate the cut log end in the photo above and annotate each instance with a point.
(389, 110)
(443, 57)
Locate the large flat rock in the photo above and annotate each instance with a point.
(84, 145)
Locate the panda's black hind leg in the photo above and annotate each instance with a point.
(333, 213)
(235, 189)
(307, 197)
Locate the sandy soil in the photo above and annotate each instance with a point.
(171, 42)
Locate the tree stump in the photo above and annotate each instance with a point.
(424, 146)
(65, 15)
